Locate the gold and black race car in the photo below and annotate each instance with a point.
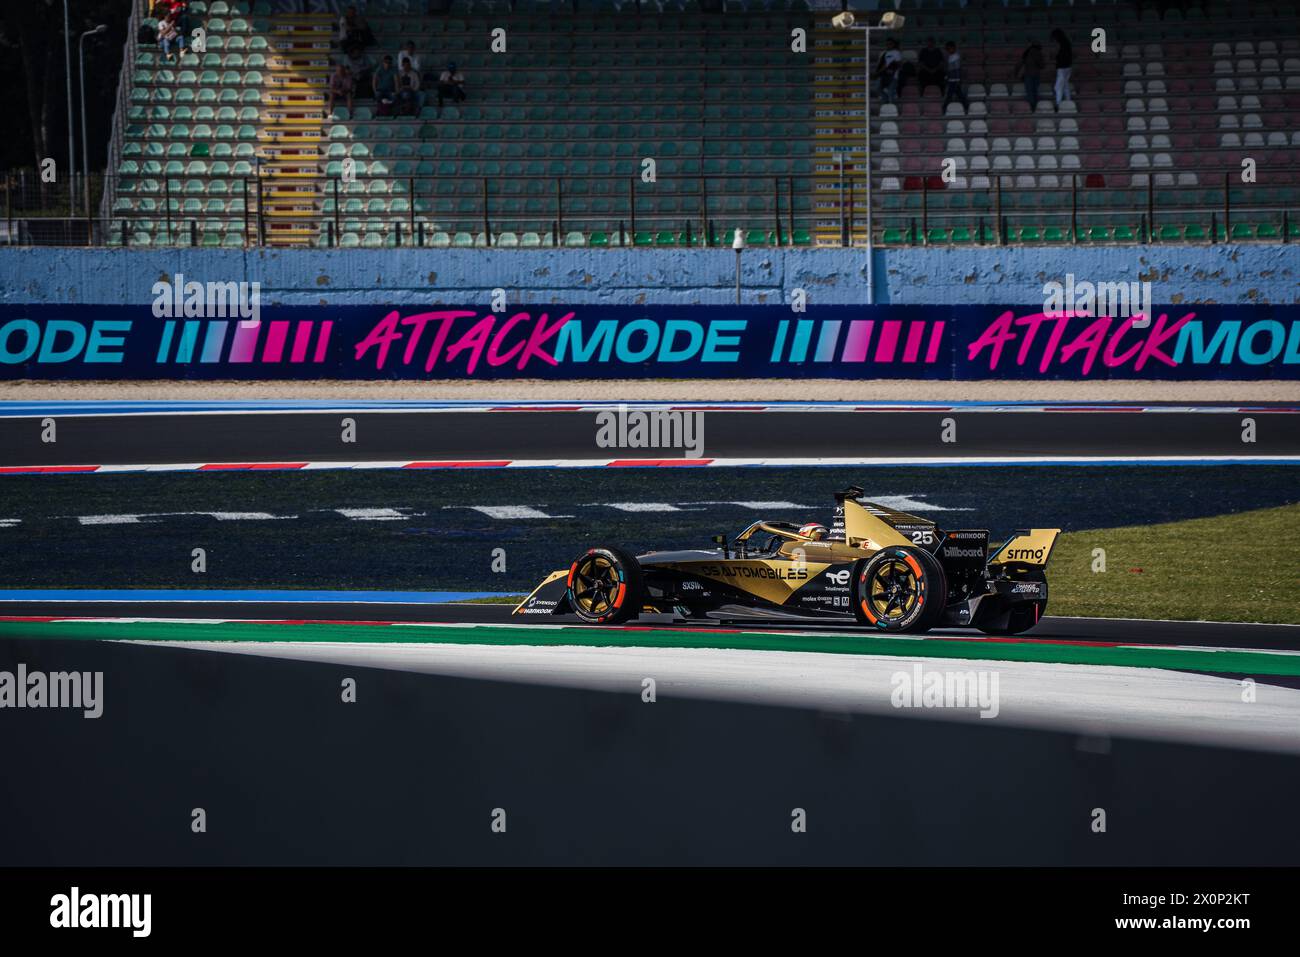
(881, 567)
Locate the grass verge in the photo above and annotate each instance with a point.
(1240, 567)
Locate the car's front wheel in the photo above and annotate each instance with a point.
(605, 586)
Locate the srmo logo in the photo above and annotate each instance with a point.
(1025, 554)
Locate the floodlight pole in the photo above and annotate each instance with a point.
(72, 163)
(85, 148)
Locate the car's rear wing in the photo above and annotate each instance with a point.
(1026, 547)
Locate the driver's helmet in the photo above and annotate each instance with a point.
(814, 531)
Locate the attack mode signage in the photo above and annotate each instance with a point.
(242, 339)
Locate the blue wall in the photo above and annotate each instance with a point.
(1179, 274)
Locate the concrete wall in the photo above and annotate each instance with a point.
(1179, 274)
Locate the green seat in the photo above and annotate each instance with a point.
(1243, 231)
(1054, 234)
(937, 234)
(1194, 232)
(1124, 234)
(1099, 234)
(894, 237)
(1170, 234)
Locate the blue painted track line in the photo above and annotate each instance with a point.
(231, 406)
(251, 595)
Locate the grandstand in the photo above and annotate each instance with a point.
(233, 145)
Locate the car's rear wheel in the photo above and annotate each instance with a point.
(605, 586)
(899, 589)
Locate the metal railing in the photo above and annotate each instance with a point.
(697, 210)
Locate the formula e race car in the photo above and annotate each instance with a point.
(883, 568)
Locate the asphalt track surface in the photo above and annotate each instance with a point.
(557, 433)
(1120, 630)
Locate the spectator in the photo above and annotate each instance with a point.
(930, 66)
(407, 52)
(354, 31)
(385, 82)
(408, 98)
(451, 83)
(342, 87)
(952, 79)
(1064, 63)
(408, 78)
(1029, 69)
(168, 38)
(887, 71)
(361, 67)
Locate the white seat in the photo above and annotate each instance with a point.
(1134, 106)
(980, 182)
(1157, 105)
(1048, 162)
(1244, 48)
(1156, 88)
(1221, 49)
(1229, 121)
(1070, 161)
(956, 145)
(1228, 103)
(1137, 142)
(1134, 88)
(979, 145)
(1163, 160)
(1225, 84)
(978, 108)
(1295, 138)
(1253, 141)
(1133, 69)
(1250, 102)
(1024, 162)
(1024, 144)
(979, 162)
(1186, 179)
(1136, 124)
(1139, 161)
(1160, 141)
(889, 164)
(1130, 51)
(1067, 124)
(889, 146)
(1158, 123)
(955, 127)
(1229, 141)
(888, 128)
(1001, 144)
(890, 183)
(888, 110)
(1267, 48)
(1026, 182)
(975, 91)
(1252, 121)
(1222, 66)
(997, 89)
(1069, 144)
(1001, 163)
(1269, 66)
(1270, 83)
(1246, 66)
(1164, 179)
(977, 127)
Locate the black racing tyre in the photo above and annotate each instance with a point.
(899, 589)
(605, 586)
